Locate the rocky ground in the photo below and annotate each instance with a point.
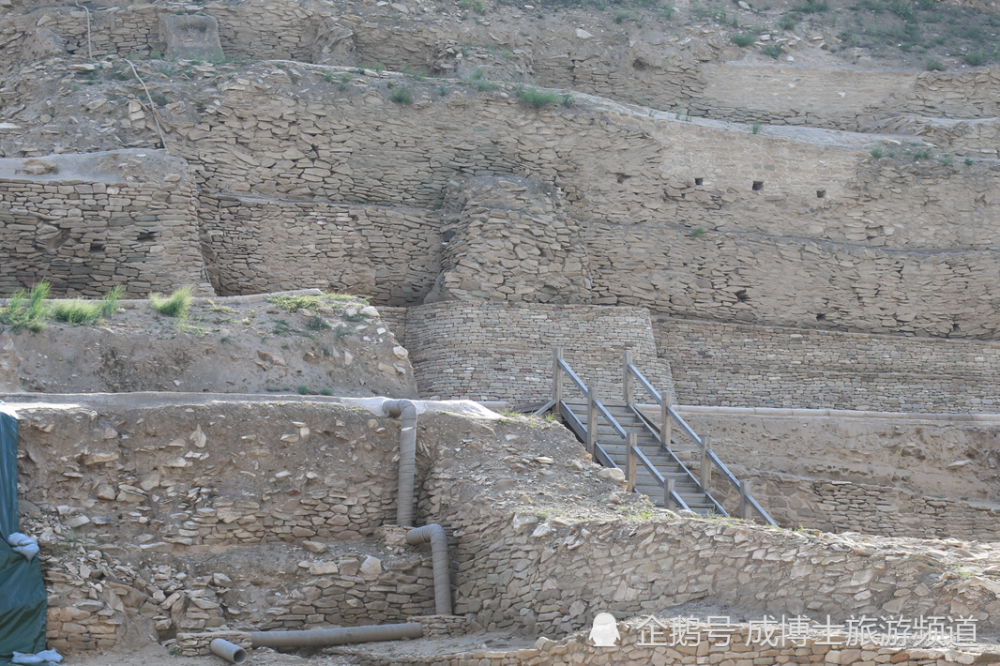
(282, 345)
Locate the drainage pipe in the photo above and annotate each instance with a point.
(231, 652)
(434, 533)
(406, 411)
(336, 635)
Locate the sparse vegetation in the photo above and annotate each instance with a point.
(178, 304)
(773, 50)
(537, 98)
(27, 310)
(933, 65)
(293, 304)
(80, 312)
(401, 96)
(757, 127)
(742, 40)
(877, 152)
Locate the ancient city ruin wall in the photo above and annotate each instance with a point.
(793, 282)
(188, 481)
(496, 351)
(85, 237)
(519, 572)
(843, 506)
(610, 162)
(390, 255)
(739, 365)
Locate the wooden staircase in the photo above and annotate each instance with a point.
(674, 474)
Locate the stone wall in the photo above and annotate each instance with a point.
(738, 642)
(742, 365)
(510, 239)
(494, 351)
(86, 234)
(549, 579)
(845, 506)
(390, 255)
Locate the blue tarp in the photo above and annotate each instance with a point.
(23, 602)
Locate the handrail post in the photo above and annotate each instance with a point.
(705, 472)
(557, 355)
(591, 418)
(668, 493)
(744, 504)
(630, 445)
(627, 377)
(665, 425)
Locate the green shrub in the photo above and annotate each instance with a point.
(773, 50)
(76, 312)
(789, 21)
(742, 40)
(486, 86)
(877, 152)
(401, 96)
(976, 58)
(968, 161)
(537, 98)
(757, 127)
(27, 309)
(622, 16)
(317, 323)
(933, 65)
(303, 390)
(567, 99)
(325, 391)
(178, 304)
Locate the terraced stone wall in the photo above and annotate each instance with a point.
(391, 255)
(85, 237)
(496, 351)
(518, 571)
(716, 363)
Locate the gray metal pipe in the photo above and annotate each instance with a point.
(306, 638)
(406, 411)
(434, 533)
(231, 652)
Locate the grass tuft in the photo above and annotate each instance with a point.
(27, 309)
(537, 98)
(401, 96)
(742, 40)
(178, 304)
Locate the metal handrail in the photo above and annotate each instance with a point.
(673, 456)
(689, 431)
(572, 375)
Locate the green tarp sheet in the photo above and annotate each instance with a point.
(22, 590)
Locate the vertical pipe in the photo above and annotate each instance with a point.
(668, 493)
(591, 418)
(630, 460)
(557, 354)
(627, 377)
(434, 533)
(407, 413)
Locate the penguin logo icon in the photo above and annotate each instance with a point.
(605, 630)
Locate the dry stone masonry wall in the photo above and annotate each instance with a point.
(86, 235)
(492, 351)
(391, 255)
(716, 363)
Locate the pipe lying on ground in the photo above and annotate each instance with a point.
(406, 411)
(439, 556)
(336, 635)
(231, 652)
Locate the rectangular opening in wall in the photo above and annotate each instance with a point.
(820, 194)
(699, 181)
(758, 185)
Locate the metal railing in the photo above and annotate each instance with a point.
(588, 433)
(707, 457)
